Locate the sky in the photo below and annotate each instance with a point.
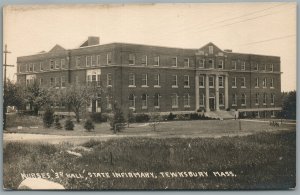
(258, 28)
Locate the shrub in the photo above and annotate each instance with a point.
(48, 117)
(194, 116)
(130, 117)
(117, 121)
(57, 123)
(97, 117)
(171, 116)
(142, 118)
(180, 117)
(88, 125)
(69, 125)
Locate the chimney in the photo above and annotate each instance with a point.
(93, 41)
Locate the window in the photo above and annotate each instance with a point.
(257, 82)
(264, 67)
(265, 83)
(202, 97)
(174, 100)
(186, 81)
(210, 63)
(272, 83)
(34, 67)
(256, 67)
(63, 63)
(156, 100)
(156, 61)
(131, 101)
(89, 79)
(27, 68)
(234, 82)
(131, 59)
(271, 67)
(57, 65)
(174, 81)
(257, 99)
(98, 60)
(109, 80)
(131, 80)
(41, 66)
(144, 60)
(210, 49)
(243, 82)
(30, 67)
(272, 99)
(243, 100)
(186, 62)
(109, 102)
(174, 62)
(211, 82)
(233, 65)
(156, 80)
(221, 99)
(108, 58)
(221, 82)
(243, 65)
(234, 99)
(144, 80)
(77, 61)
(99, 80)
(201, 81)
(265, 99)
(201, 63)
(41, 81)
(51, 82)
(186, 100)
(93, 60)
(57, 83)
(63, 81)
(220, 64)
(88, 60)
(144, 101)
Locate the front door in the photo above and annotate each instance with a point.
(212, 103)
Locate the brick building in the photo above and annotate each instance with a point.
(154, 78)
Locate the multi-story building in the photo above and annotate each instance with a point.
(164, 79)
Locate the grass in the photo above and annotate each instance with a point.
(265, 160)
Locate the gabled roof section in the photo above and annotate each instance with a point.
(210, 44)
(84, 44)
(57, 48)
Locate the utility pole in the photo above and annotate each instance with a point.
(4, 85)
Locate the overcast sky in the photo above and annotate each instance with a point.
(260, 28)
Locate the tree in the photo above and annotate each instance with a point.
(289, 105)
(117, 121)
(48, 117)
(88, 125)
(130, 117)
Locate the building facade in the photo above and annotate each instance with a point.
(153, 78)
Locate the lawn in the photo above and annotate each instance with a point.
(265, 160)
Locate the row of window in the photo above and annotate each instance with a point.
(257, 83)
(257, 99)
(35, 67)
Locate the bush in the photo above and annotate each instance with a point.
(171, 116)
(97, 117)
(48, 117)
(194, 116)
(117, 121)
(69, 125)
(181, 117)
(57, 123)
(142, 118)
(88, 125)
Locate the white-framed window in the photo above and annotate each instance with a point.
(221, 64)
(93, 60)
(211, 81)
(221, 99)
(186, 100)
(144, 101)
(202, 99)
(256, 67)
(63, 63)
(210, 49)
(108, 58)
(144, 80)
(234, 99)
(272, 99)
(157, 100)
(233, 82)
(221, 81)
(131, 101)
(109, 80)
(41, 66)
(186, 81)
(131, 80)
(63, 81)
(201, 63)
(156, 80)
(30, 67)
(174, 100)
(257, 99)
(271, 67)
(243, 65)
(144, 60)
(77, 61)
(257, 82)
(131, 60)
(88, 60)
(156, 61)
(272, 83)
(210, 63)
(186, 62)
(264, 67)
(201, 81)
(243, 82)
(174, 62)
(265, 99)
(57, 82)
(233, 65)
(243, 99)
(98, 60)
(34, 67)
(264, 83)
(57, 65)
(174, 81)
